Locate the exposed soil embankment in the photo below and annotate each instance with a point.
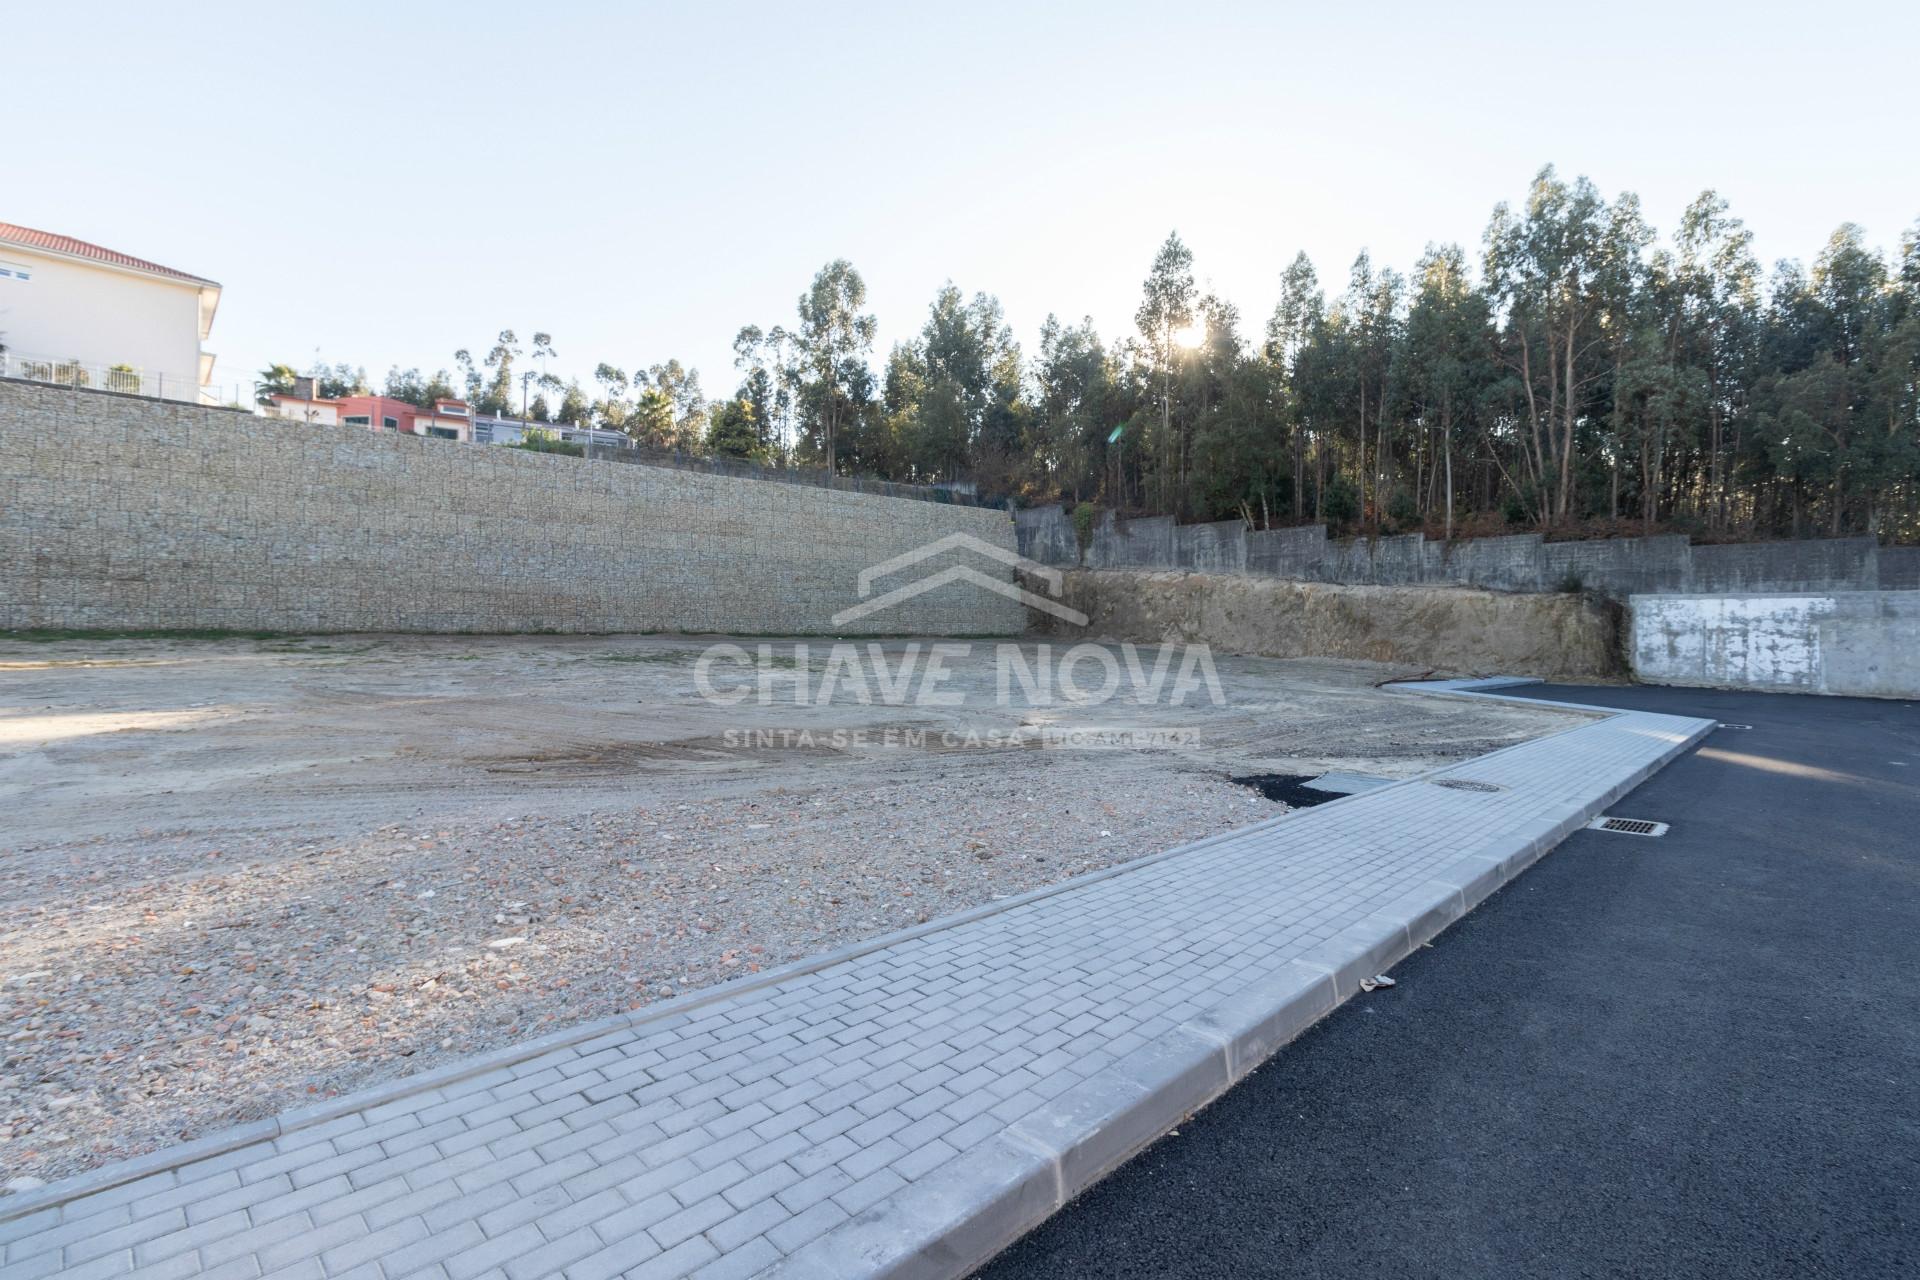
(1451, 629)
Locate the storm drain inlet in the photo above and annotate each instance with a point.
(1629, 826)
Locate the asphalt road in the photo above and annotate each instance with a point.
(1697, 1055)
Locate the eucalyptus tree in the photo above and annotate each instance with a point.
(1165, 312)
(1543, 271)
(1441, 362)
(1324, 388)
(1240, 456)
(331, 381)
(1719, 280)
(498, 396)
(406, 384)
(758, 390)
(830, 349)
(968, 369)
(1301, 307)
(1374, 303)
(612, 409)
(1637, 344)
(1076, 406)
(1855, 386)
(575, 409)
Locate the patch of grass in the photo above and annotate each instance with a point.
(54, 635)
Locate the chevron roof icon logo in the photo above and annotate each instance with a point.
(870, 603)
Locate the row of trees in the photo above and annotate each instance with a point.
(661, 405)
(1580, 371)
(1576, 370)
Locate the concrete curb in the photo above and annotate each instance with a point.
(949, 1226)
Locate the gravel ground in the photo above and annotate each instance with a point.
(217, 985)
(240, 877)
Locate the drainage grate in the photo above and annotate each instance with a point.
(1466, 784)
(1629, 826)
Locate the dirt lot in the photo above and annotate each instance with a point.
(238, 875)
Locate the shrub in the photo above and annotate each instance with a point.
(538, 441)
(1341, 504)
(1084, 518)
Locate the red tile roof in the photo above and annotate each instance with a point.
(81, 249)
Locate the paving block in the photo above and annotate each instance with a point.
(1358, 951)
(1098, 1123)
(942, 1225)
(1257, 1021)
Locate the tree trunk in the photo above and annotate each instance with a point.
(1299, 503)
(1537, 458)
(1320, 484)
(1716, 479)
(1566, 444)
(1360, 437)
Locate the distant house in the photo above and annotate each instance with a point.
(75, 313)
(304, 404)
(447, 420)
(493, 429)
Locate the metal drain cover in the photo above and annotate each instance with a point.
(1628, 826)
(1466, 784)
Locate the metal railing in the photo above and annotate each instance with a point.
(125, 379)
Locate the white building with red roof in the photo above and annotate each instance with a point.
(81, 314)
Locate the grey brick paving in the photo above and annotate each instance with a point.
(818, 1124)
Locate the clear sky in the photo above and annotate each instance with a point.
(383, 183)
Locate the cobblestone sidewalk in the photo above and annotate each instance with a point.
(905, 1108)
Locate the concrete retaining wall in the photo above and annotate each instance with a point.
(1451, 629)
(1127, 544)
(1865, 643)
(1618, 567)
(119, 512)
(1286, 553)
(1899, 568)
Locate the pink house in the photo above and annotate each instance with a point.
(447, 420)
